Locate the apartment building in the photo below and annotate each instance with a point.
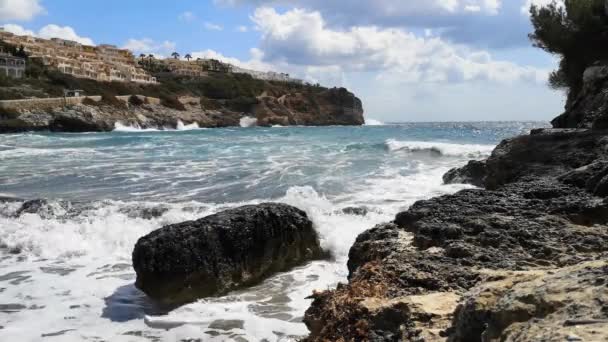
(194, 68)
(101, 63)
(267, 75)
(11, 66)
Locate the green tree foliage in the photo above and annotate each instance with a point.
(575, 30)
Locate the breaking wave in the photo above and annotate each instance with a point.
(440, 149)
(248, 121)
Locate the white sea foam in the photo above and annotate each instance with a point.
(439, 148)
(120, 127)
(183, 127)
(248, 121)
(94, 249)
(373, 122)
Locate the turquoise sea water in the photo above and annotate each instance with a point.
(71, 273)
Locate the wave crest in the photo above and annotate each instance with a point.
(440, 149)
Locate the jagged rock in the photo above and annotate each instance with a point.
(334, 106)
(588, 109)
(537, 305)
(544, 153)
(327, 107)
(544, 214)
(226, 251)
(473, 173)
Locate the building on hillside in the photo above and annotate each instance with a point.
(267, 75)
(194, 68)
(12, 66)
(100, 63)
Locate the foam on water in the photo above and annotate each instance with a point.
(373, 122)
(69, 269)
(119, 127)
(248, 121)
(182, 127)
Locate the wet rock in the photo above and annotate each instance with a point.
(514, 251)
(223, 252)
(473, 173)
(37, 206)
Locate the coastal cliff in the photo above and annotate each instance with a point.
(220, 100)
(524, 258)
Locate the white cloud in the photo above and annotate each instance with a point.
(242, 29)
(63, 32)
(386, 7)
(19, 9)
(18, 30)
(300, 37)
(50, 31)
(213, 27)
(187, 16)
(149, 46)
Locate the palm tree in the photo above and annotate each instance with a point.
(142, 56)
(175, 55)
(188, 57)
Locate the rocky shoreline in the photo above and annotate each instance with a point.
(334, 106)
(524, 259)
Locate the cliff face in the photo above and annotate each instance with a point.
(590, 108)
(329, 107)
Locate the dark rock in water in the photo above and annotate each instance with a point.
(473, 173)
(37, 206)
(356, 211)
(146, 213)
(180, 263)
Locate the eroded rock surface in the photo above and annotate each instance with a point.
(505, 254)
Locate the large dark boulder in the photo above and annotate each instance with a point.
(180, 263)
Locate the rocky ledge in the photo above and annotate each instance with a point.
(181, 263)
(328, 107)
(525, 259)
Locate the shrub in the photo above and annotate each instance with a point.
(577, 31)
(134, 100)
(172, 102)
(242, 104)
(89, 102)
(109, 99)
(210, 104)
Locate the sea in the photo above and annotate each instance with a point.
(66, 273)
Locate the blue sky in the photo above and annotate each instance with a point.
(414, 60)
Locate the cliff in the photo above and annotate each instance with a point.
(525, 258)
(220, 100)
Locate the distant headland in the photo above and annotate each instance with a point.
(62, 85)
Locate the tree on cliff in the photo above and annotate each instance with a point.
(175, 55)
(575, 30)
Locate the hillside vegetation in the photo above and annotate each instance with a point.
(237, 92)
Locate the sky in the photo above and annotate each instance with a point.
(408, 60)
